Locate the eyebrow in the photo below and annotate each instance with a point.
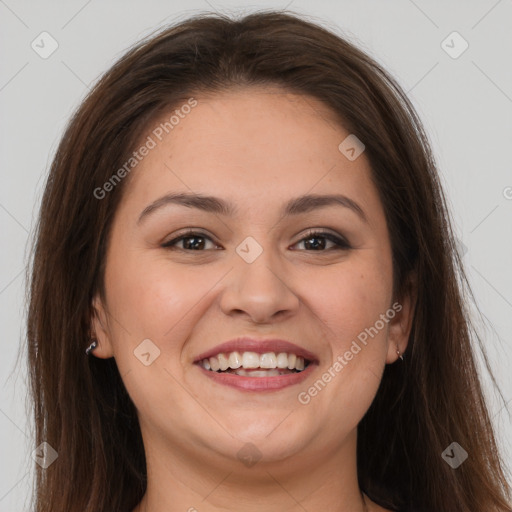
(211, 204)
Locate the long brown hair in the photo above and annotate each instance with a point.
(424, 404)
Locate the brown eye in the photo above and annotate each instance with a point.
(192, 241)
(318, 240)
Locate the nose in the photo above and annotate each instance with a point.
(259, 291)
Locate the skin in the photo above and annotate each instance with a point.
(257, 148)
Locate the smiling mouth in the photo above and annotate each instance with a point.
(252, 364)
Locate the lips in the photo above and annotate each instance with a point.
(259, 383)
(257, 364)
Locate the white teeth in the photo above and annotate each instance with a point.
(251, 360)
(214, 363)
(268, 360)
(223, 362)
(282, 360)
(235, 360)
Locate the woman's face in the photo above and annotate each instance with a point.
(255, 272)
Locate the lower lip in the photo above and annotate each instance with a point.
(259, 383)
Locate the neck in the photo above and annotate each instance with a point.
(182, 479)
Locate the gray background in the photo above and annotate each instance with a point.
(465, 103)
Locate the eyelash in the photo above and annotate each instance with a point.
(338, 241)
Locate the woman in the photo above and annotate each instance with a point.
(244, 290)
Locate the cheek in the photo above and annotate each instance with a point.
(153, 295)
(351, 310)
(153, 300)
(349, 298)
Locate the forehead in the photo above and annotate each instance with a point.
(250, 144)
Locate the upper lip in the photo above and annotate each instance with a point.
(260, 346)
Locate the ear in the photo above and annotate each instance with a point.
(400, 326)
(100, 329)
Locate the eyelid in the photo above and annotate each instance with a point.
(322, 231)
(185, 233)
(339, 240)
